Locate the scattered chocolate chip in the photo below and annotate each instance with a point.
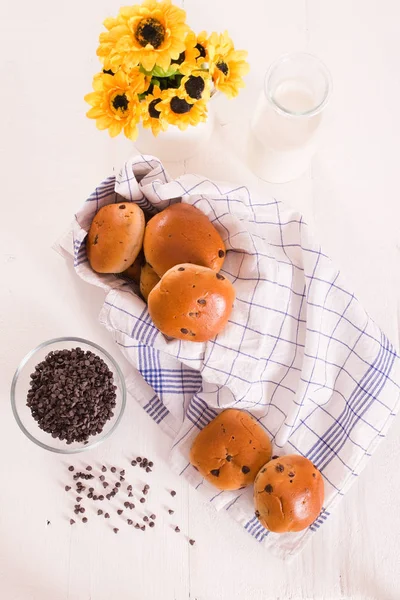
(173, 493)
(102, 478)
(71, 522)
(219, 276)
(115, 530)
(104, 468)
(280, 468)
(130, 495)
(67, 488)
(82, 510)
(275, 456)
(122, 472)
(153, 516)
(184, 330)
(71, 468)
(108, 496)
(91, 490)
(177, 529)
(151, 524)
(99, 512)
(84, 520)
(122, 478)
(138, 459)
(133, 463)
(143, 527)
(268, 488)
(117, 485)
(142, 500)
(148, 470)
(291, 474)
(106, 516)
(146, 487)
(192, 542)
(170, 511)
(145, 492)
(314, 475)
(257, 513)
(245, 469)
(129, 488)
(137, 526)
(105, 484)
(120, 511)
(113, 470)
(90, 495)
(181, 269)
(201, 301)
(88, 468)
(290, 480)
(77, 511)
(95, 497)
(229, 458)
(101, 497)
(215, 472)
(78, 498)
(145, 519)
(151, 464)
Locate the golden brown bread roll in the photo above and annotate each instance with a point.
(115, 237)
(182, 234)
(148, 279)
(133, 272)
(230, 450)
(191, 303)
(288, 494)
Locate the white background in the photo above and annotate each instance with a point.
(51, 158)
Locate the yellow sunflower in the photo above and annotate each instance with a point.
(175, 110)
(149, 34)
(202, 47)
(115, 104)
(151, 115)
(227, 65)
(187, 60)
(196, 86)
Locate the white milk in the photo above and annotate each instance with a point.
(281, 145)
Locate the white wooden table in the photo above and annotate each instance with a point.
(51, 158)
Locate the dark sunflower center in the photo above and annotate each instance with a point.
(150, 31)
(180, 59)
(223, 67)
(108, 72)
(180, 106)
(120, 102)
(202, 50)
(153, 112)
(195, 87)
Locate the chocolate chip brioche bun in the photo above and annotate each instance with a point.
(191, 303)
(133, 272)
(230, 450)
(148, 280)
(288, 494)
(115, 237)
(182, 234)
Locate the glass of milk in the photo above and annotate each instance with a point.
(287, 119)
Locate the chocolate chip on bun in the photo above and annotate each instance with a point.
(288, 494)
(115, 237)
(191, 303)
(182, 234)
(230, 450)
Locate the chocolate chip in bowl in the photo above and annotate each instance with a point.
(68, 395)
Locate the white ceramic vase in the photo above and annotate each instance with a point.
(175, 145)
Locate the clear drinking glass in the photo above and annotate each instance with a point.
(287, 119)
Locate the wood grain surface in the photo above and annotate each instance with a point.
(51, 158)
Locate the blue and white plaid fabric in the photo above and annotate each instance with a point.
(299, 352)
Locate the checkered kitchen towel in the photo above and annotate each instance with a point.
(299, 352)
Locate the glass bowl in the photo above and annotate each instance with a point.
(21, 384)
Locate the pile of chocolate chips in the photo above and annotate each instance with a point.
(72, 394)
(124, 512)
